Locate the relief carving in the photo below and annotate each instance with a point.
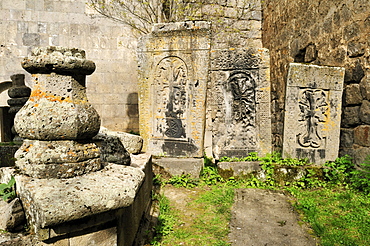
(313, 106)
(171, 82)
(244, 103)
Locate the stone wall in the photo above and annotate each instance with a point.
(323, 33)
(25, 24)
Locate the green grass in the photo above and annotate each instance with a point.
(335, 206)
(207, 224)
(338, 216)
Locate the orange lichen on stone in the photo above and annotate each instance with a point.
(38, 94)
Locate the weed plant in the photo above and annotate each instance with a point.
(7, 190)
(336, 204)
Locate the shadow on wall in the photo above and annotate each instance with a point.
(133, 112)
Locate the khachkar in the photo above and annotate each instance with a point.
(313, 112)
(238, 102)
(58, 122)
(173, 71)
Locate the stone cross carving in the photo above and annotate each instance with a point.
(313, 112)
(58, 122)
(313, 106)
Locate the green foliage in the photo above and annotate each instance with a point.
(337, 216)
(166, 220)
(210, 176)
(360, 178)
(184, 180)
(251, 157)
(338, 171)
(334, 200)
(7, 191)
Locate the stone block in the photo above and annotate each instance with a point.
(346, 138)
(365, 112)
(238, 169)
(49, 202)
(106, 237)
(132, 143)
(57, 159)
(365, 87)
(241, 102)
(360, 154)
(351, 116)
(169, 167)
(313, 112)
(352, 94)
(31, 39)
(173, 72)
(362, 135)
(12, 216)
(112, 149)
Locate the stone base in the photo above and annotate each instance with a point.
(100, 208)
(57, 159)
(238, 169)
(169, 167)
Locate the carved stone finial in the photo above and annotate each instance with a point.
(56, 115)
(58, 60)
(58, 108)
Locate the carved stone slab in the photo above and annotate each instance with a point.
(239, 102)
(312, 112)
(173, 72)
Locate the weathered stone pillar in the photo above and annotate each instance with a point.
(57, 121)
(19, 94)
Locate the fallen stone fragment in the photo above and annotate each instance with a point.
(12, 216)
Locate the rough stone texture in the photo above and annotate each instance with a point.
(60, 60)
(238, 102)
(7, 155)
(112, 89)
(338, 31)
(362, 135)
(169, 167)
(107, 237)
(173, 72)
(58, 108)
(346, 137)
(51, 202)
(352, 94)
(264, 217)
(115, 227)
(12, 215)
(238, 169)
(57, 159)
(112, 150)
(365, 112)
(351, 116)
(132, 143)
(313, 112)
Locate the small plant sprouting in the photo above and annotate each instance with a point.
(7, 191)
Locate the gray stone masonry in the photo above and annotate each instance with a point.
(313, 107)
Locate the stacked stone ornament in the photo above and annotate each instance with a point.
(19, 94)
(58, 122)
